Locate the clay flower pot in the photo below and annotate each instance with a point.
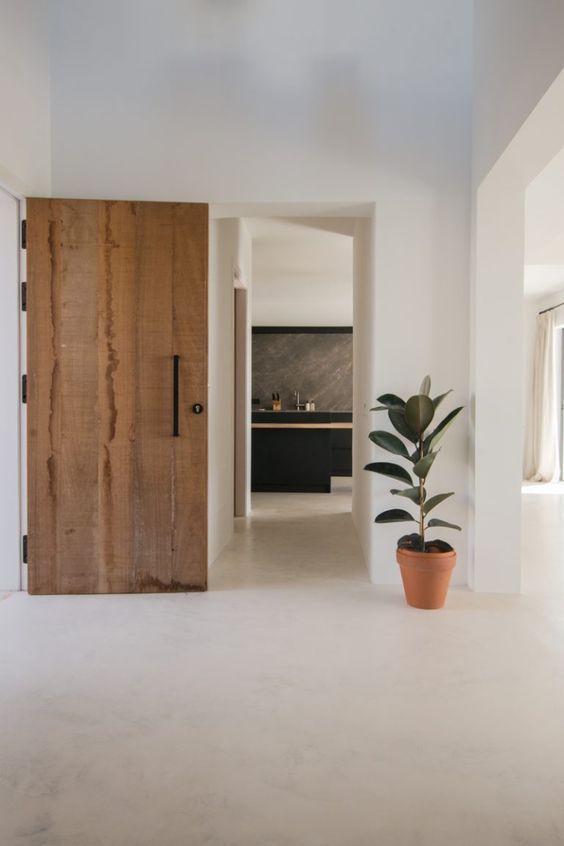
(425, 576)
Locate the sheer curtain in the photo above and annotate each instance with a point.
(543, 458)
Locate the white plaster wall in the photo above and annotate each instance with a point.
(243, 400)
(9, 391)
(236, 103)
(518, 54)
(25, 137)
(230, 256)
(25, 168)
(363, 386)
(224, 236)
(499, 341)
(421, 327)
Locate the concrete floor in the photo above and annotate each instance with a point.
(292, 704)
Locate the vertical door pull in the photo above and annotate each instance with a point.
(175, 363)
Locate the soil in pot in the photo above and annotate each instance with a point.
(426, 576)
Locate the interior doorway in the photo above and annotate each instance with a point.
(497, 347)
(301, 304)
(234, 231)
(543, 351)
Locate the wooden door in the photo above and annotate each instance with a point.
(116, 290)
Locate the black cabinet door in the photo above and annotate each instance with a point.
(341, 452)
(291, 460)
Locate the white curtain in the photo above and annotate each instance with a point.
(543, 454)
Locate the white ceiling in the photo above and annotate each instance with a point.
(302, 271)
(543, 279)
(544, 231)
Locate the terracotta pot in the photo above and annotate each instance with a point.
(425, 576)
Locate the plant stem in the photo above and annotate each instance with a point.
(421, 515)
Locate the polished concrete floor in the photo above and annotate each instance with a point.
(292, 705)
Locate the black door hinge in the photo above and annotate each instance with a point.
(24, 296)
(24, 388)
(24, 549)
(24, 234)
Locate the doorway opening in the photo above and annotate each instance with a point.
(500, 551)
(301, 278)
(543, 329)
(302, 365)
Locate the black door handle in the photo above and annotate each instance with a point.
(175, 427)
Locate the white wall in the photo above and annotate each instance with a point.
(499, 339)
(224, 236)
(243, 374)
(25, 169)
(518, 54)
(9, 391)
(234, 102)
(421, 327)
(230, 260)
(25, 139)
(364, 386)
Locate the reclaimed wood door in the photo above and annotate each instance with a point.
(117, 384)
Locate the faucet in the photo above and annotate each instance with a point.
(299, 405)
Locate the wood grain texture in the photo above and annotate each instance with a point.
(116, 504)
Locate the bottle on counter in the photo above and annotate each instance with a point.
(311, 405)
(308, 406)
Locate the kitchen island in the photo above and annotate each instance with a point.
(300, 450)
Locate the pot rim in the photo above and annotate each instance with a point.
(417, 553)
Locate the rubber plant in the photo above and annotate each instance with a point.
(417, 441)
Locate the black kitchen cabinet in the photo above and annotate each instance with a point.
(299, 450)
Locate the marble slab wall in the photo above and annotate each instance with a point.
(318, 365)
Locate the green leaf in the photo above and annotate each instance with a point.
(414, 494)
(419, 411)
(438, 400)
(442, 523)
(379, 408)
(425, 386)
(398, 421)
(432, 440)
(394, 471)
(390, 442)
(392, 401)
(423, 466)
(434, 501)
(395, 515)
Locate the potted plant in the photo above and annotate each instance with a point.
(425, 565)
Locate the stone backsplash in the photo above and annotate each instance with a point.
(317, 364)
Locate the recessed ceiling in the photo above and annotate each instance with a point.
(543, 279)
(302, 271)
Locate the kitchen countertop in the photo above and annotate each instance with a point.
(292, 419)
